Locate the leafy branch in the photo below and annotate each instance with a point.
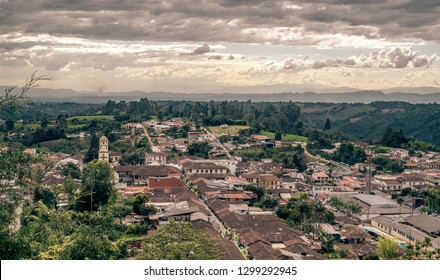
(14, 96)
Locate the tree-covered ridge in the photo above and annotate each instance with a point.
(369, 121)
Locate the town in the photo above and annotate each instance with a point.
(200, 186)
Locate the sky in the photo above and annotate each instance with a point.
(221, 45)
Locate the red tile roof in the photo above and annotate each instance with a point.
(169, 182)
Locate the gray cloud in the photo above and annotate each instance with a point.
(395, 58)
(222, 20)
(203, 49)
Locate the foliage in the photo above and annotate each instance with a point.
(302, 213)
(71, 170)
(349, 154)
(140, 207)
(97, 182)
(349, 208)
(179, 241)
(93, 151)
(393, 138)
(387, 249)
(327, 124)
(45, 195)
(13, 99)
(200, 149)
(15, 172)
(422, 251)
(133, 158)
(87, 245)
(386, 164)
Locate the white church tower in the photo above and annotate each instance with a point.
(103, 149)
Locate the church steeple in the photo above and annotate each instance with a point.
(103, 149)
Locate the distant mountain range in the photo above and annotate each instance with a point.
(343, 96)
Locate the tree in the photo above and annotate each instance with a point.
(45, 195)
(14, 97)
(278, 136)
(44, 122)
(15, 171)
(9, 124)
(387, 248)
(327, 124)
(87, 245)
(200, 149)
(96, 186)
(71, 170)
(139, 206)
(178, 241)
(93, 151)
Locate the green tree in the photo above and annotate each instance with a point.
(45, 195)
(327, 124)
(178, 241)
(96, 186)
(87, 245)
(387, 249)
(15, 173)
(92, 152)
(200, 149)
(9, 124)
(71, 170)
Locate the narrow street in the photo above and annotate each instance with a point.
(153, 148)
(220, 144)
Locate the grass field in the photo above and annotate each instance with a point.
(28, 125)
(285, 137)
(231, 130)
(91, 118)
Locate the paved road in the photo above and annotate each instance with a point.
(347, 169)
(155, 149)
(220, 144)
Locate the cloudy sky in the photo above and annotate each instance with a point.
(221, 45)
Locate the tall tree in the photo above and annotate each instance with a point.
(96, 186)
(93, 151)
(327, 124)
(178, 241)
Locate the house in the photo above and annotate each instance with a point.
(412, 181)
(377, 205)
(139, 175)
(156, 158)
(265, 236)
(204, 168)
(321, 190)
(405, 231)
(165, 182)
(184, 214)
(320, 177)
(399, 153)
(352, 183)
(267, 181)
(32, 152)
(270, 166)
(236, 196)
(260, 138)
(115, 156)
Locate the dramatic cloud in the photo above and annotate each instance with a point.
(222, 20)
(201, 50)
(396, 58)
(161, 45)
